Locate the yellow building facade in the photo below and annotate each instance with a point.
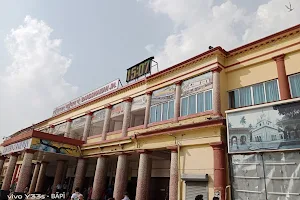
(215, 125)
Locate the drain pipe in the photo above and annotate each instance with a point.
(228, 186)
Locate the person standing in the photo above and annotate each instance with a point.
(126, 196)
(76, 195)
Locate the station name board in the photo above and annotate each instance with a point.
(87, 97)
(139, 69)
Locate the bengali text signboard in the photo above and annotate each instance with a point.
(87, 97)
(196, 84)
(163, 95)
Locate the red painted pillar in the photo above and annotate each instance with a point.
(177, 100)
(99, 178)
(106, 121)
(26, 169)
(144, 174)
(126, 117)
(2, 161)
(216, 91)
(9, 171)
(147, 111)
(284, 87)
(173, 184)
(219, 168)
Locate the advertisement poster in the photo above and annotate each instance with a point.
(54, 147)
(266, 128)
(197, 84)
(139, 102)
(117, 110)
(163, 95)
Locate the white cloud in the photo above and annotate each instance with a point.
(34, 82)
(199, 24)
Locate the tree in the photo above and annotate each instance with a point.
(289, 110)
(243, 121)
(250, 126)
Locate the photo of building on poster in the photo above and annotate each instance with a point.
(266, 128)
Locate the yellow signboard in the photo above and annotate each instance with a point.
(54, 147)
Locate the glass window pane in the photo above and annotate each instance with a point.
(258, 93)
(158, 113)
(192, 104)
(234, 99)
(171, 109)
(295, 85)
(184, 106)
(152, 114)
(208, 100)
(272, 91)
(245, 96)
(236, 94)
(165, 111)
(200, 102)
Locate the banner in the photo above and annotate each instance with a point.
(87, 97)
(19, 146)
(54, 147)
(265, 128)
(139, 102)
(117, 110)
(163, 95)
(197, 84)
(98, 116)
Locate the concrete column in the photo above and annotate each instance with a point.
(34, 177)
(87, 126)
(99, 178)
(66, 166)
(80, 173)
(173, 184)
(9, 172)
(106, 121)
(219, 168)
(177, 101)
(121, 177)
(68, 129)
(2, 161)
(41, 177)
(126, 117)
(144, 173)
(284, 86)
(25, 173)
(58, 174)
(147, 111)
(216, 91)
(52, 127)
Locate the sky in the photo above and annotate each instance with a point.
(54, 51)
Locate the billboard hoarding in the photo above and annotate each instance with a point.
(266, 128)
